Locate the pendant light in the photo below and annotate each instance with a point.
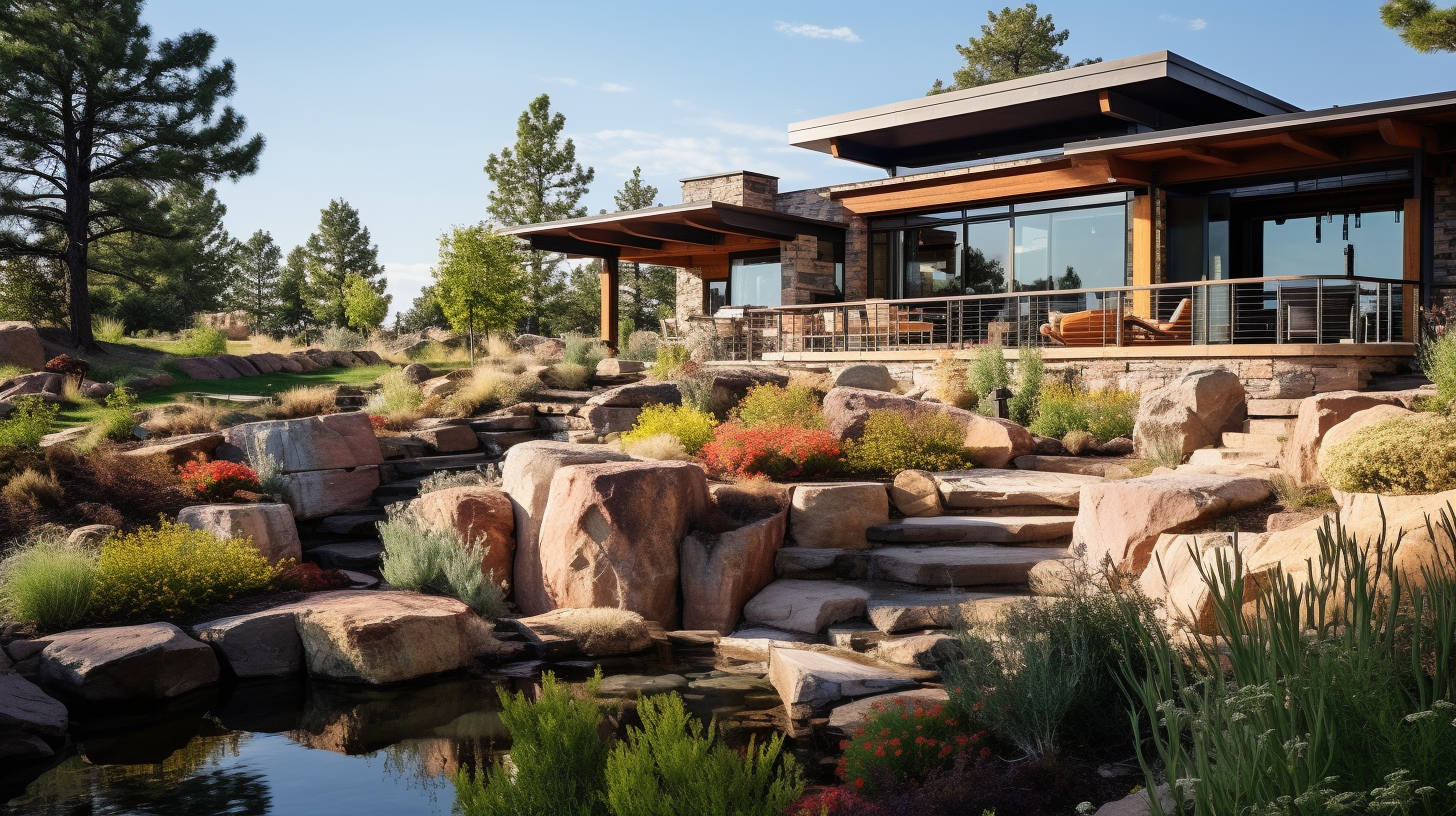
(1318, 221)
(1345, 229)
(1357, 219)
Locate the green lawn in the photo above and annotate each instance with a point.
(238, 347)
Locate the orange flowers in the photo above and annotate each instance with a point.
(217, 479)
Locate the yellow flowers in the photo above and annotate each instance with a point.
(162, 572)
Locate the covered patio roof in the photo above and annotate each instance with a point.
(698, 234)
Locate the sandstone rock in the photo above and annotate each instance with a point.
(837, 515)
(1190, 412)
(850, 717)
(546, 348)
(916, 493)
(590, 632)
(238, 364)
(327, 442)
(234, 324)
(973, 566)
(439, 387)
(263, 362)
(482, 516)
(47, 385)
(91, 535)
(813, 680)
(917, 651)
(258, 644)
(368, 357)
(20, 345)
(417, 373)
(1404, 519)
(990, 487)
(865, 375)
(218, 367)
(66, 437)
(1117, 446)
(721, 572)
(448, 438)
(754, 643)
(1139, 804)
(616, 366)
(269, 526)
(388, 637)
(97, 390)
(611, 535)
(526, 478)
(152, 661)
(1317, 415)
(1173, 577)
(1122, 520)
(606, 419)
(805, 606)
(178, 450)
(637, 395)
(992, 442)
(1356, 423)
(305, 363)
(319, 493)
(894, 611)
(1074, 464)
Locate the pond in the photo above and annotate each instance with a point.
(304, 747)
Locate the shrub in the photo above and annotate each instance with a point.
(663, 447)
(339, 338)
(671, 358)
(217, 480)
(202, 341)
(437, 562)
(1030, 376)
(690, 426)
(398, 404)
(179, 419)
(894, 441)
(898, 745)
(1106, 413)
(1294, 495)
(696, 386)
(116, 421)
(445, 479)
(583, 351)
(673, 765)
(32, 490)
(775, 451)
(1441, 368)
(1408, 454)
(490, 388)
(31, 420)
(557, 764)
(46, 583)
(571, 376)
(642, 345)
(108, 329)
(73, 369)
(770, 404)
(172, 569)
(499, 347)
(988, 372)
(307, 400)
(952, 382)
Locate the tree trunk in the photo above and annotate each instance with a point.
(77, 151)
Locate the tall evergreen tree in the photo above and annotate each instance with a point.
(256, 269)
(1421, 24)
(1016, 43)
(94, 116)
(538, 179)
(341, 247)
(645, 289)
(293, 313)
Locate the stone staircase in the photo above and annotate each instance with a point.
(1256, 449)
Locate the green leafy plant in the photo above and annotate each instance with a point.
(674, 765)
(671, 358)
(203, 341)
(691, 426)
(31, 420)
(172, 569)
(1106, 413)
(435, 561)
(116, 421)
(1030, 376)
(987, 372)
(901, 743)
(583, 351)
(47, 582)
(1406, 454)
(770, 404)
(894, 441)
(558, 761)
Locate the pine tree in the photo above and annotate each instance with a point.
(423, 313)
(257, 268)
(94, 117)
(341, 247)
(1421, 24)
(293, 314)
(536, 180)
(1017, 43)
(644, 290)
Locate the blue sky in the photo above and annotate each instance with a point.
(395, 106)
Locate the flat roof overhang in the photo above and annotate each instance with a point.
(690, 235)
(1154, 91)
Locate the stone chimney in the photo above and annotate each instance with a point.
(738, 187)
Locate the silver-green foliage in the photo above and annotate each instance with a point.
(1031, 372)
(46, 583)
(988, 371)
(437, 562)
(1440, 366)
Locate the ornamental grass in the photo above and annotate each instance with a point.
(46, 583)
(162, 572)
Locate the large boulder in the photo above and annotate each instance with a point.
(526, 477)
(638, 395)
(1190, 412)
(1175, 580)
(196, 369)
(268, 527)
(234, 324)
(836, 515)
(1356, 423)
(389, 637)
(984, 488)
(29, 718)
(239, 364)
(1317, 415)
(20, 345)
(328, 442)
(612, 531)
(478, 515)
(150, 661)
(1122, 520)
(258, 644)
(865, 375)
(805, 606)
(916, 494)
(720, 572)
(448, 438)
(590, 632)
(318, 493)
(1403, 519)
(992, 442)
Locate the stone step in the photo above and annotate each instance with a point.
(1269, 426)
(403, 490)
(1252, 441)
(1080, 465)
(561, 395)
(973, 530)
(821, 564)
(987, 488)
(498, 442)
(976, 566)
(504, 423)
(1259, 408)
(348, 555)
(1262, 457)
(349, 524)
(895, 609)
(425, 465)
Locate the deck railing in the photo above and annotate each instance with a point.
(1278, 310)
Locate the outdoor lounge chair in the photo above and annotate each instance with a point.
(1177, 330)
(895, 324)
(1094, 327)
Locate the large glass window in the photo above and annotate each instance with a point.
(756, 281)
(932, 262)
(1367, 244)
(986, 245)
(1072, 249)
(715, 296)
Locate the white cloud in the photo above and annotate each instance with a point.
(663, 157)
(612, 87)
(758, 133)
(1196, 24)
(560, 80)
(844, 33)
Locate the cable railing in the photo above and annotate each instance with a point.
(1277, 310)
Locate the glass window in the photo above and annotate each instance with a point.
(986, 246)
(932, 262)
(1319, 245)
(1080, 201)
(879, 282)
(1072, 249)
(715, 296)
(756, 281)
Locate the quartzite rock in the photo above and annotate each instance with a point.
(479, 515)
(269, 527)
(150, 661)
(837, 515)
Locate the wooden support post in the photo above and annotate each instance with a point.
(1411, 262)
(609, 279)
(1142, 254)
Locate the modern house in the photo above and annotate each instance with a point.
(1129, 217)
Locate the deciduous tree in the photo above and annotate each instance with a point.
(1016, 43)
(480, 280)
(364, 305)
(1422, 25)
(94, 117)
(339, 248)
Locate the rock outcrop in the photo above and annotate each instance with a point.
(150, 661)
(388, 637)
(1190, 412)
(836, 515)
(268, 527)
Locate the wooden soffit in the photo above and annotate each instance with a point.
(1064, 175)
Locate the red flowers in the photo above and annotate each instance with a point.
(902, 743)
(217, 479)
(378, 422)
(776, 451)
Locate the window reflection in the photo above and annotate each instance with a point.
(756, 281)
(932, 262)
(1320, 245)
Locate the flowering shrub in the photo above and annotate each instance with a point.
(691, 427)
(894, 441)
(217, 479)
(69, 367)
(770, 404)
(379, 422)
(775, 451)
(898, 745)
(169, 570)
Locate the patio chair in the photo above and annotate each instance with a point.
(671, 330)
(1177, 330)
(1093, 327)
(795, 331)
(895, 324)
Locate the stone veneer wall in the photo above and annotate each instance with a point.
(1444, 273)
(740, 187)
(800, 258)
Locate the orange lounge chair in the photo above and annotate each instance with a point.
(1177, 330)
(1094, 327)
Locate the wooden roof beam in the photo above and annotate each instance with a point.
(1308, 146)
(1401, 133)
(613, 237)
(677, 233)
(1207, 155)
